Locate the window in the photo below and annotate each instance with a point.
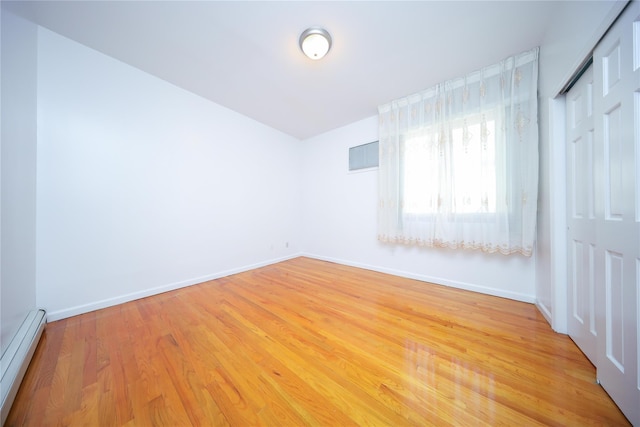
(458, 162)
(473, 179)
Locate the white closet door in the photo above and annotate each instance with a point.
(581, 215)
(617, 147)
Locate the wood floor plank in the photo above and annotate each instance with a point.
(311, 343)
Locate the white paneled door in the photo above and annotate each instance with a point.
(617, 108)
(603, 153)
(581, 215)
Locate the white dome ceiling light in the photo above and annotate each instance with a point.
(315, 42)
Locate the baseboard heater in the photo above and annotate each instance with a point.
(16, 358)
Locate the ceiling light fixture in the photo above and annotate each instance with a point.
(315, 42)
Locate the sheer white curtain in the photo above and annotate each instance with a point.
(459, 161)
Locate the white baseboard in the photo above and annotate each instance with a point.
(97, 305)
(431, 279)
(545, 312)
(16, 358)
(109, 302)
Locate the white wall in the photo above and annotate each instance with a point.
(18, 174)
(570, 37)
(339, 213)
(144, 187)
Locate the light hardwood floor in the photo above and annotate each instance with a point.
(306, 342)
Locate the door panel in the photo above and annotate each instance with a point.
(614, 288)
(581, 220)
(613, 152)
(617, 120)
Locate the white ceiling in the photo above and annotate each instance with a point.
(245, 55)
